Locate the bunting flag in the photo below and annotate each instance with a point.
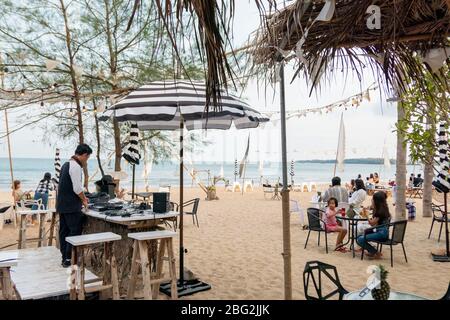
(292, 169)
(57, 166)
(235, 169)
(244, 160)
(442, 182)
(131, 153)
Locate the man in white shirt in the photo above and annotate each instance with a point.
(71, 199)
(336, 191)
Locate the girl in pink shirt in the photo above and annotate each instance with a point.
(333, 226)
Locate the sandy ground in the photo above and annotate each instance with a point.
(238, 247)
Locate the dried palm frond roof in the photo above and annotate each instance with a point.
(409, 29)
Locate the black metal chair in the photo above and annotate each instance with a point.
(438, 216)
(193, 212)
(320, 269)
(447, 294)
(315, 223)
(397, 237)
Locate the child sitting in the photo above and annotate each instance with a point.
(332, 225)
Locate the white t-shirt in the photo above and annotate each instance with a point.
(357, 199)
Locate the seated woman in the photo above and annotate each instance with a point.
(358, 196)
(376, 178)
(17, 192)
(350, 187)
(380, 217)
(332, 225)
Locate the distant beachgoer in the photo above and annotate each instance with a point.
(71, 199)
(417, 182)
(358, 197)
(44, 187)
(380, 217)
(376, 178)
(333, 226)
(359, 176)
(411, 180)
(336, 191)
(350, 187)
(17, 192)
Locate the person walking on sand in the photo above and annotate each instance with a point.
(71, 199)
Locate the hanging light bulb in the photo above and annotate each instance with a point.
(42, 103)
(22, 92)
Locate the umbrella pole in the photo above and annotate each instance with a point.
(181, 204)
(447, 244)
(285, 194)
(133, 182)
(9, 148)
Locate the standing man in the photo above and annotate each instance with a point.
(71, 199)
(336, 191)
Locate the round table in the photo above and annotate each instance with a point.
(394, 295)
(352, 229)
(319, 205)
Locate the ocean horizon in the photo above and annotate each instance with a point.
(30, 170)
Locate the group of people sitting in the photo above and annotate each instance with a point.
(415, 182)
(338, 198)
(45, 186)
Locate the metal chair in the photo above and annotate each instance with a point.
(397, 237)
(315, 223)
(193, 212)
(438, 216)
(319, 268)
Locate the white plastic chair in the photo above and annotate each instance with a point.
(312, 187)
(248, 185)
(294, 207)
(237, 187)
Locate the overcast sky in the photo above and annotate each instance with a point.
(311, 137)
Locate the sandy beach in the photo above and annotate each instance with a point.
(237, 250)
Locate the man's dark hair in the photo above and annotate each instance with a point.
(336, 181)
(419, 175)
(83, 149)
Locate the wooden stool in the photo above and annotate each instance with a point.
(8, 259)
(141, 256)
(53, 234)
(42, 240)
(110, 279)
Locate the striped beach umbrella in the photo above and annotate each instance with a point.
(179, 104)
(131, 153)
(292, 171)
(57, 166)
(442, 182)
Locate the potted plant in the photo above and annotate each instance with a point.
(211, 193)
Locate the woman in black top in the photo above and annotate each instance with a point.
(380, 217)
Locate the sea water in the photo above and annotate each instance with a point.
(29, 171)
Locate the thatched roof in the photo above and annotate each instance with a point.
(409, 29)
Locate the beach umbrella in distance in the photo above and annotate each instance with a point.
(442, 184)
(131, 153)
(292, 171)
(176, 105)
(57, 166)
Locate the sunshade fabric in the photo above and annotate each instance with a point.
(160, 106)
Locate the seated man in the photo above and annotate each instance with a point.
(336, 191)
(418, 181)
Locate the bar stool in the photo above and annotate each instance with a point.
(141, 257)
(110, 279)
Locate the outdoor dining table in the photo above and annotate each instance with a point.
(394, 295)
(352, 229)
(318, 204)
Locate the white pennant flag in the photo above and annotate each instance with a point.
(51, 64)
(387, 161)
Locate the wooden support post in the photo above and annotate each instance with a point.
(52, 229)
(159, 266)
(22, 232)
(81, 290)
(7, 288)
(114, 277)
(145, 266)
(134, 271)
(73, 274)
(42, 237)
(172, 269)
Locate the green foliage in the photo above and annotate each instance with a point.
(422, 114)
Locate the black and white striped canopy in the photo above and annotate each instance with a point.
(131, 153)
(442, 182)
(57, 166)
(161, 105)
